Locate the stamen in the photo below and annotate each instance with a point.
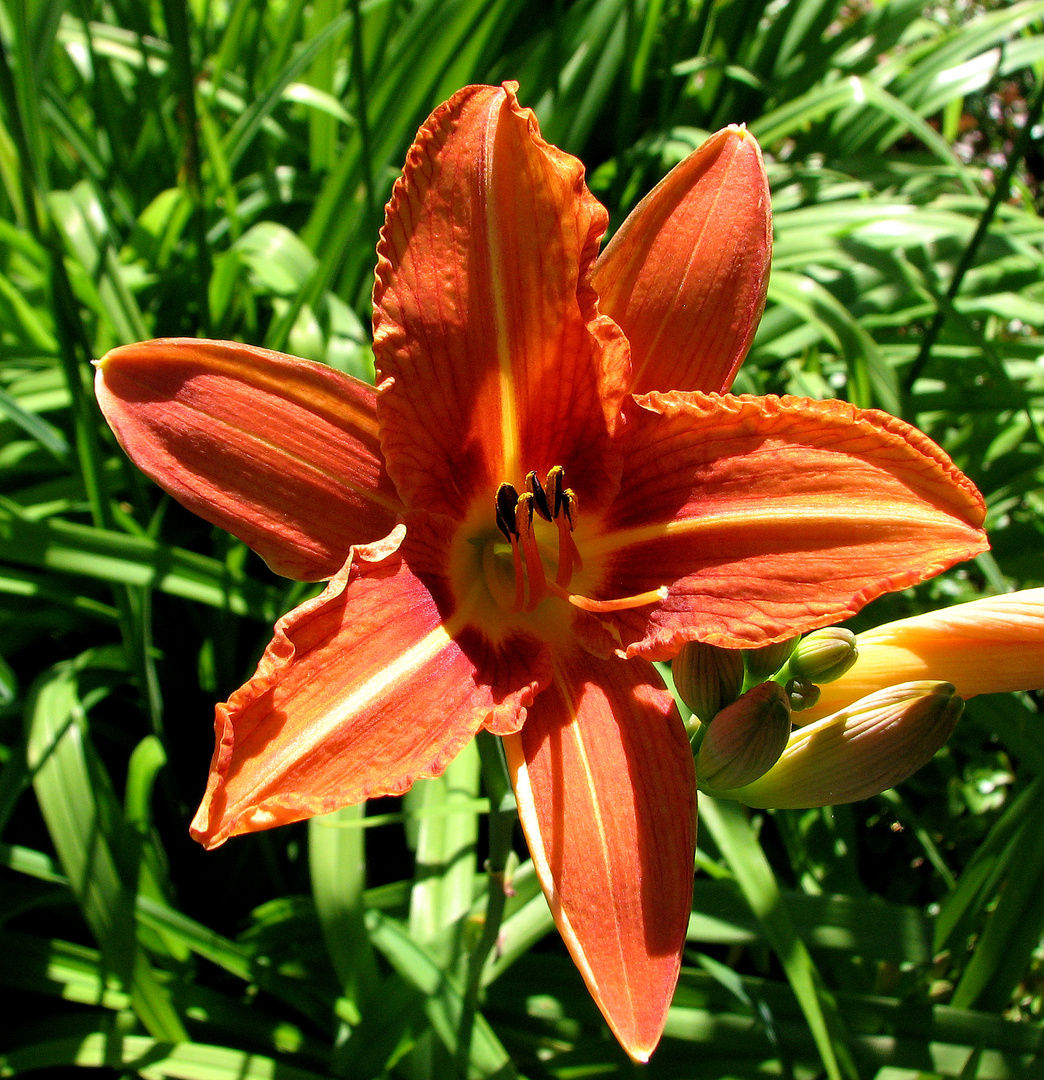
(622, 603)
(570, 513)
(540, 503)
(506, 502)
(571, 506)
(534, 567)
(553, 487)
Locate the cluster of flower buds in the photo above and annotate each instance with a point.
(742, 734)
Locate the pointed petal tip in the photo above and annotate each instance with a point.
(493, 341)
(279, 451)
(605, 741)
(202, 835)
(638, 1052)
(686, 275)
(866, 504)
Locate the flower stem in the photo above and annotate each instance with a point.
(1000, 193)
(502, 817)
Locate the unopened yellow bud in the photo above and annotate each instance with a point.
(745, 739)
(987, 646)
(824, 655)
(860, 751)
(707, 678)
(764, 663)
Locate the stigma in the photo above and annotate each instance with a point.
(517, 514)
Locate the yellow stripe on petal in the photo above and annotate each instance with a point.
(362, 690)
(766, 517)
(605, 785)
(781, 516)
(500, 294)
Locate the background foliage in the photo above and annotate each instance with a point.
(219, 167)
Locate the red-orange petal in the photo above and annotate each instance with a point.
(493, 356)
(605, 785)
(281, 452)
(373, 684)
(768, 517)
(685, 276)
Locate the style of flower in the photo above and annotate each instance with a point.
(545, 493)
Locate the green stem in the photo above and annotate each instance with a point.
(1000, 193)
(502, 816)
(177, 19)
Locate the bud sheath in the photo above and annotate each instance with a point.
(745, 739)
(707, 678)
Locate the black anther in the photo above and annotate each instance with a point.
(507, 500)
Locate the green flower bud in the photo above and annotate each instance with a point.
(745, 739)
(860, 751)
(707, 677)
(764, 663)
(824, 655)
(803, 693)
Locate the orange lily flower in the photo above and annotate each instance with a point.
(546, 492)
(988, 646)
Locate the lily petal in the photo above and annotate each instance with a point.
(987, 646)
(766, 517)
(281, 452)
(686, 275)
(493, 356)
(361, 691)
(604, 779)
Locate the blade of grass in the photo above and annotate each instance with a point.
(83, 828)
(737, 842)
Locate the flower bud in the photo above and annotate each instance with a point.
(988, 646)
(860, 751)
(764, 663)
(745, 739)
(803, 694)
(707, 677)
(824, 655)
